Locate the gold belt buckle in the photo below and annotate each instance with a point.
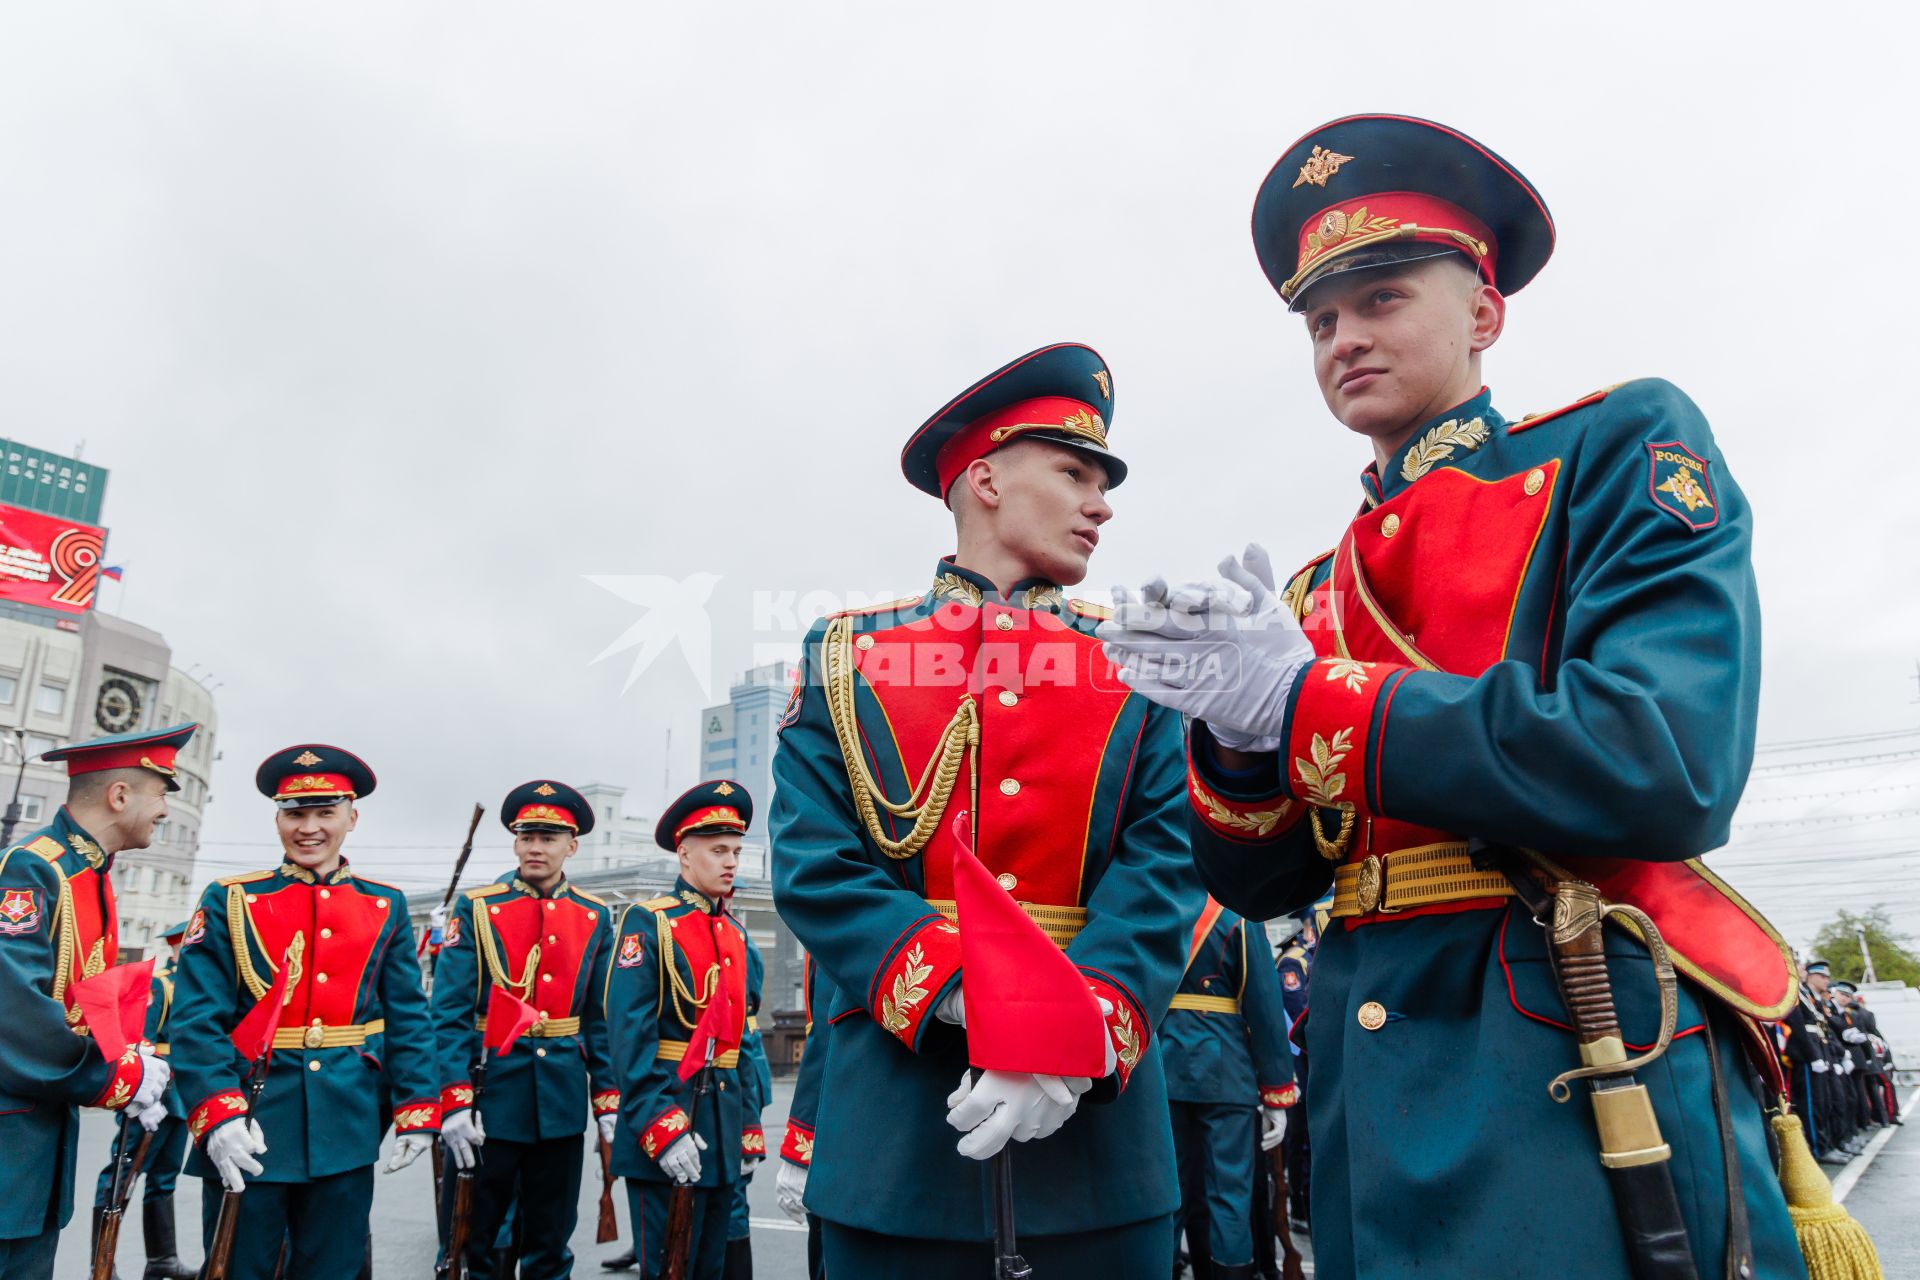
(1371, 887)
(316, 1036)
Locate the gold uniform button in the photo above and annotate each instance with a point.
(1007, 880)
(326, 933)
(313, 1066)
(494, 910)
(326, 893)
(539, 1053)
(1373, 1015)
(1009, 786)
(1390, 526)
(319, 977)
(552, 905)
(380, 903)
(552, 937)
(251, 899)
(1004, 622)
(864, 642)
(546, 977)
(1535, 479)
(1009, 698)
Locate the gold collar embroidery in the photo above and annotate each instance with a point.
(1439, 443)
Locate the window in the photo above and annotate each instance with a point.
(50, 699)
(38, 743)
(31, 807)
(9, 687)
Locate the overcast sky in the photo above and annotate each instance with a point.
(396, 324)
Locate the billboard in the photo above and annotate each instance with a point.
(52, 562)
(51, 482)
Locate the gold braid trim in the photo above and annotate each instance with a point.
(69, 948)
(496, 968)
(237, 936)
(675, 993)
(961, 738)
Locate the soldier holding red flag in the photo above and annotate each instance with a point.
(59, 927)
(313, 966)
(684, 981)
(533, 935)
(988, 693)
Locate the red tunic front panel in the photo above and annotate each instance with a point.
(338, 926)
(562, 927)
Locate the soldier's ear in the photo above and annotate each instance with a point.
(353, 817)
(1489, 316)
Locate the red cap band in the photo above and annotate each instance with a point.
(548, 814)
(313, 784)
(1060, 415)
(1389, 216)
(717, 816)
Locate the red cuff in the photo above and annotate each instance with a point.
(421, 1115)
(1279, 1096)
(606, 1102)
(753, 1142)
(228, 1104)
(456, 1097)
(1243, 820)
(797, 1148)
(1127, 1025)
(1331, 742)
(124, 1083)
(903, 992)
(661, 1134)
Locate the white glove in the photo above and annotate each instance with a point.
(681, 1160)
(149, 1117)
(1819, 1066)
(747, 1163)
(1007, 1105)
(608, 1123)
(953, 1009)
(790, 1189)
(1847, 1066)
(1225, 651)
(463, 1132)
(154, 1074)
(408, 1149)
(232, 1148)
(1854, 1035)
(437, 922)
(1273, 1127)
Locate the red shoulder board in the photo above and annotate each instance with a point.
(1535, 419)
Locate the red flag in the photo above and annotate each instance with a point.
(717, 1024)
(508, 1017)
(253, 1037)
(114, 1003)
(1028, 1008)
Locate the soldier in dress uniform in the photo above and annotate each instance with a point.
(354, 1043)
(987, 693)
(162, 1168)
(1536, 634)
(1809, 1062)
(1225, 1044)
(796, 1145)
(1295, 966)
(1859, 1060)
(676, 956)
(59, 924)
(535, 934)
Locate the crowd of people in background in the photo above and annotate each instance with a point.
(1839, 1065)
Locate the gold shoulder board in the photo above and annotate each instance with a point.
(1535, 419)
(1088, 609)
(488, 890)
(248, 878)
(382, 883)
(662, 902)
(47, 847)
(901, 603)
(582, 893)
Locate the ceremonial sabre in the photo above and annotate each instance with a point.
(1631, 1149)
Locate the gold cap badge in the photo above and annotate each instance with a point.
(306, 759)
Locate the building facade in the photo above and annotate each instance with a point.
(68, 678)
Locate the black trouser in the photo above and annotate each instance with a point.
(1874, 1087)
(545, 1176)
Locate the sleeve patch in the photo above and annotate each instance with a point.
(19, 913)
(196, 928)
(632, 951)
(1290, 980)
(1680, 484)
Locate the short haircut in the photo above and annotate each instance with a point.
(91, 788)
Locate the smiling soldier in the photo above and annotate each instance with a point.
(987, 693)
(353, 1030)
(1529, 668)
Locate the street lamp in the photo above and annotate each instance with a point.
(12, 820)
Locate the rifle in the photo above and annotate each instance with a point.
(1007, 1262)
(124, 1172)
(680, 1207)
(454, 1265)
(220, 1255)
(459, 865)
(609, 1229)
(1282, 1226)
